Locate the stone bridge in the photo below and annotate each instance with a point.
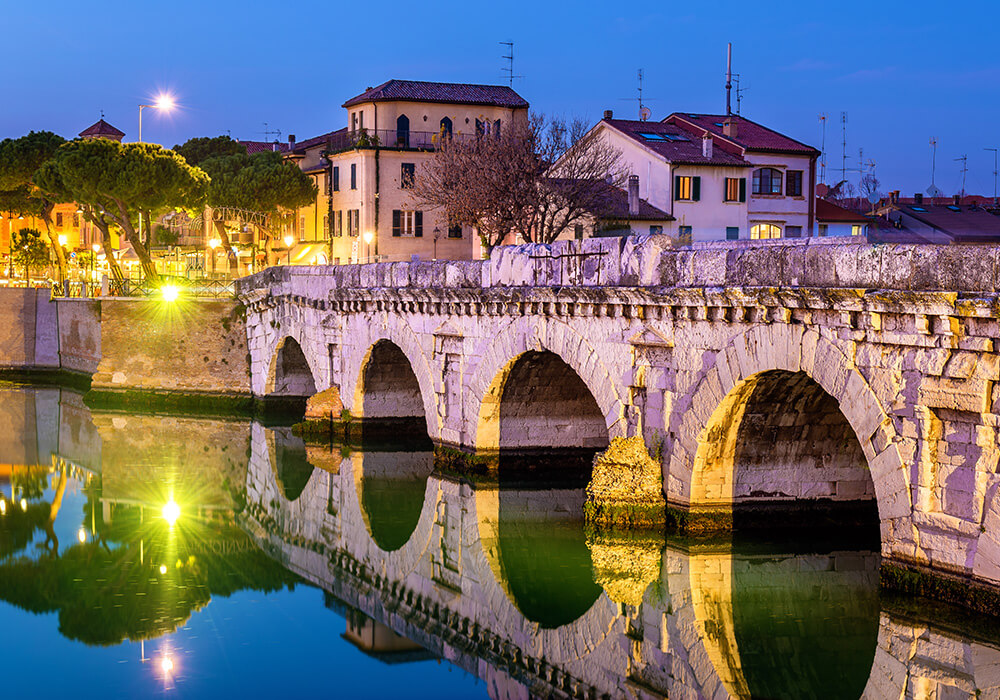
(765, 372)
(625, 617)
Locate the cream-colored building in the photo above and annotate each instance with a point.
(718, 177)
(365, 209)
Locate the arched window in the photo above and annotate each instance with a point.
(403, 131)
(765, 231)
(446, 127)
(767, 181)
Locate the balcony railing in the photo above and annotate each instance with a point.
(390, 138)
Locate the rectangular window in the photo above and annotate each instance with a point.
(76, 220)
(354, 121)
(361, 119)
(855, 230)
(302, 227)
(578, 232)
(655, 230)
(326, 226)
(823, 230)
(793, 232)
(793, 183)
(455, 231)
(732, 233)
(736, 189)
(407, 171)
(59, 220)
(684, 234)
(354, 176)
(407, 223)
(336, 179)
(687, 188)
(767, 181)
(353, 222)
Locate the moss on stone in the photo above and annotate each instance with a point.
(956, 589)
(49, 377)
(162, 401)
(626, 487)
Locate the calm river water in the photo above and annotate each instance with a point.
(195, 557)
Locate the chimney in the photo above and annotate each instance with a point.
(894, 196)
(918, 198)
(291, 139)
(609, 114)
(956, 200)
(633, 195)
(706, 146)
(729, 128)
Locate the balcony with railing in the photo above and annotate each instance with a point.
(390, 138)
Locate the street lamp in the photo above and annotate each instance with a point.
(163, 101)
(62, 246)
(213, 244)
(368, 243)
(289, 240)
(93, 278)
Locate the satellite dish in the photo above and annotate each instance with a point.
(873, 198)
(644, 113)
(933, 191)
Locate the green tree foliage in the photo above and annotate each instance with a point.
(30, 250)
(20, 160)
(124, 182)
(199, 149)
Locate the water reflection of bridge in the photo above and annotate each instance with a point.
(696, 621)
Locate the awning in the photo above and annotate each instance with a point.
(310, 254)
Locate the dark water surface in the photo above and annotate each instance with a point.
(193, 557)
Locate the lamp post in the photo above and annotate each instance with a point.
(213, 244)
(437, 235)
(163, 102)
(289, 240)
(93, 278)
(368, 236)
(63, 281)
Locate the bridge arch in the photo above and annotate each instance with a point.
(812, 368)
(391, 348)
(289, 372)
(553, 355)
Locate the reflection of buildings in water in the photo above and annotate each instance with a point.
(705, 620)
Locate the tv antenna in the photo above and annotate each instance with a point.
(933, 190)
(644, 111)
(729, 77)
(964, 170)
(994, 173)
(822, 159)
(269, 132)
(509, 57)
(843, 147)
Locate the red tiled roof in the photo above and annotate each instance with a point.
(828, 212)
(420, 91)
(102, 128)
(610, 202)
(254, 147)
(749, 135)
(687, 150)
(966, 225)
(302, 146)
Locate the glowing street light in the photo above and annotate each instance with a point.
(368, 236)
(289, 240)
(81, 535)
(213, 244)
(164, 102)
(170, 293)
(163, 569)
(171, 512)
(62, 240)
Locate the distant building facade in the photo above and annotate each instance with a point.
(364, 172)
(718, 177)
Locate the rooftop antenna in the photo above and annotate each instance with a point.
(965, 169)
(994, 173)
(739, 93)
(268, 133)
(102, 114)
(509, 57)
(822, 159)
(644, 111)
(843, 146)
(933, 190)
(729, 78)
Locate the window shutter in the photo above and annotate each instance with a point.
(336, 179)
(789, 186)
(395, 222)
(418, 217)
(743, 189)
(677, 185)
(696, 188)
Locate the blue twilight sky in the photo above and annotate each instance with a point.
(903, 71)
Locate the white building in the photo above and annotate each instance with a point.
(719, 177)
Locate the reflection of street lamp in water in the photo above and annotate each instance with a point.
(289, 240)
(368, 245)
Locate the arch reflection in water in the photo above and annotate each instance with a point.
(391, 488)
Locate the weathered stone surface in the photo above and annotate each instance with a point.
(626, 486)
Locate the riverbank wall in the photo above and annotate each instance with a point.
(132, 352)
